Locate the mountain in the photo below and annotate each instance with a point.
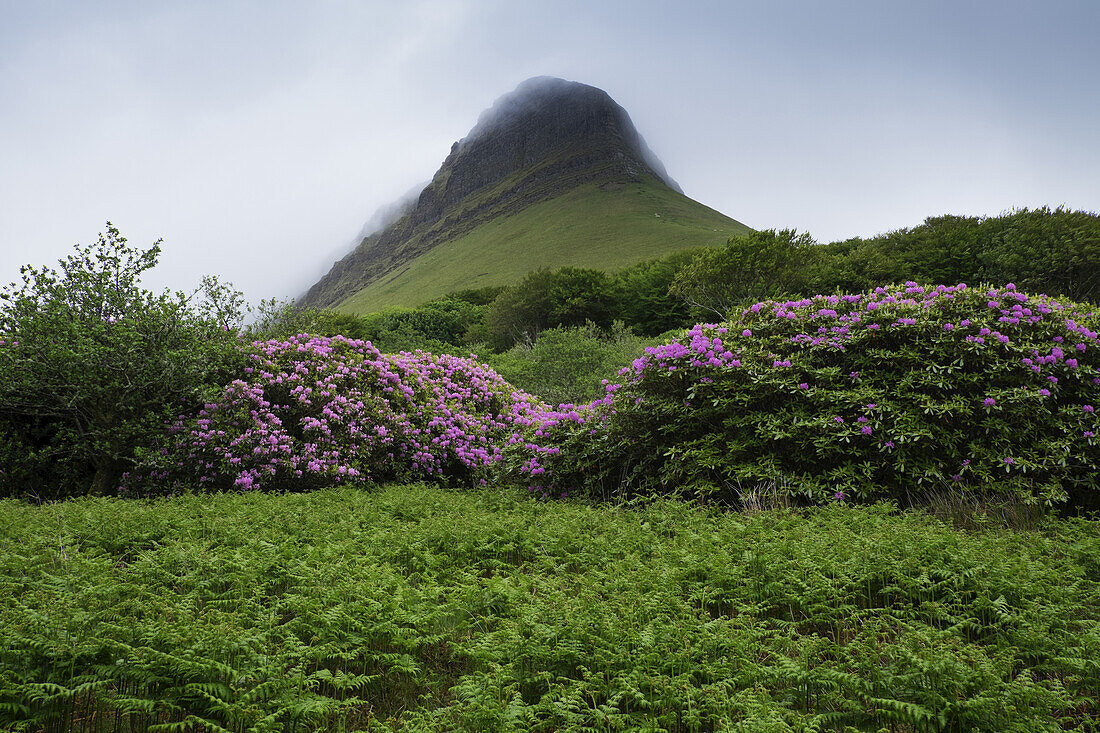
(553, 174)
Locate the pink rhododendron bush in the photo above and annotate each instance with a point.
(893, 393)
(315, 411)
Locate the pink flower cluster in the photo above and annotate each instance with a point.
(1000, 325)
(832, 321)
(316, 411)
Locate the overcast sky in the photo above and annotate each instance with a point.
(256, 138)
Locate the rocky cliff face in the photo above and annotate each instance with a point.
(536, 142)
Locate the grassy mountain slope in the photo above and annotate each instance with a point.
(607, 227)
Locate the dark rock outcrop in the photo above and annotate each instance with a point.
(542, 139)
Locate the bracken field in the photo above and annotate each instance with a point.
(420, 608)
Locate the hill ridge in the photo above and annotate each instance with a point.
(540, 141)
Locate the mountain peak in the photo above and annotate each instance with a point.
(543, 140)
(545, 113)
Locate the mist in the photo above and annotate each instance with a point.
(389, 213)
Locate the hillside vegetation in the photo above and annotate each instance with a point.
(606, 227)
(889, 519)
(1043, 251)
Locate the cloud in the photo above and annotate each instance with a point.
(256, 138)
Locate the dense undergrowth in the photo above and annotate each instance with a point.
(896, 393)
(418, 608)
(569, 365)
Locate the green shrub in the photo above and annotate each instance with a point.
(282, 319)
(569, 365)
(92, 367)
(765, 264)
(643, 301)
(1043, 250)
(569, 296)
(889, 394)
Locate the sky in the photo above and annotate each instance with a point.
(257, 138)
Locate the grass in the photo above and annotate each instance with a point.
(588, 226)
(420, 608)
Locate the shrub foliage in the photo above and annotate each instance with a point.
(888, 394)
(569, 365)
(315, 411)
(92, 366)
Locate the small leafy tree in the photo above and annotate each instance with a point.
(764, 264)
(92, 366)
(643, 300)
(520, 312)
(579, 295)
